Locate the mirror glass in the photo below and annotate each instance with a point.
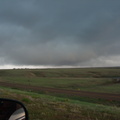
(12, 110)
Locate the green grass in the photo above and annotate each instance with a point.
(74, 72)
(58, 82)
(85, 79)
(57, 107)
(46, 107)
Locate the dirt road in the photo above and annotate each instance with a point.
(106, 96)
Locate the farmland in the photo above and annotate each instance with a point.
(86, 81)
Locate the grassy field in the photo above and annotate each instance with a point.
(45, 107)
(57, 107)
(85, 79)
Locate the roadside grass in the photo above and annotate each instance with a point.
(87, 99)
(46, 107)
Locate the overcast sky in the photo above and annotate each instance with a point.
(59, 33)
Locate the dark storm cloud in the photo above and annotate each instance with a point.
(65, 32)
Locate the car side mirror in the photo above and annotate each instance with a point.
(12, 110)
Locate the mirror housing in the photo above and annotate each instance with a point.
(12, 110)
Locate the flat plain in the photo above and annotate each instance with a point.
(92, 80)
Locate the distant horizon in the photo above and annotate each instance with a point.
(54, 67)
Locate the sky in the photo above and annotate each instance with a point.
(59, 33)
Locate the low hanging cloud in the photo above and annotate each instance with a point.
(59, 33)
